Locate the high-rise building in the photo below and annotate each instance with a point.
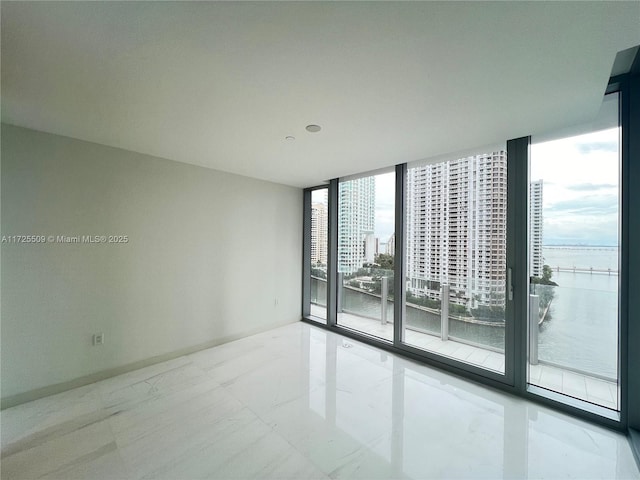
(371, 247)
(391, 245)
(356, 220)
(456, 229)
(319, 238)
(536, 260)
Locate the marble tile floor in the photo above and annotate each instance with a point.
(299, 402)
(585, 387)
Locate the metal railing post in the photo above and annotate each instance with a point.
(444, 313)
(384, 286)
(534, 318)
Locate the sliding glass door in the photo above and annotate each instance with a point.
(455, 237)
(318, 255)
(366, 243)
(505, 267)
(574, 258)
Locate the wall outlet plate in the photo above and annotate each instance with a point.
(98, 338)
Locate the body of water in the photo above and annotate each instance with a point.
(581, 257)
(581, 332)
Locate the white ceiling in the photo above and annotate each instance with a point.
(222, 84)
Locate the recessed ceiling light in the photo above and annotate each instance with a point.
(313, 128)
(290, 138)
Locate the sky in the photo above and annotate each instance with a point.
(385, 201)
(580, 190)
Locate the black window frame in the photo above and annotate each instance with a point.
(514, 381)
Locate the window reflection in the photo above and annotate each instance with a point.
(386, 417)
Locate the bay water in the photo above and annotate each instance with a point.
(580, 332)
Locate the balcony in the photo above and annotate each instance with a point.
(480, 342)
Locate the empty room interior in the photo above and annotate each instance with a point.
(313, 240)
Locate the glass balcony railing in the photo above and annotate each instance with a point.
(573, 336)
(318, 291)
(570, 350)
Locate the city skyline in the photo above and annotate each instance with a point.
(581, 179)
(580, 202)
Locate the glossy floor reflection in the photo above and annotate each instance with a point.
(299, 402)
(551, 377)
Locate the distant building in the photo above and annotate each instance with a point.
(536, 260)
(371, 247)
(319, 237)
(391, 245)
(456, 229)
(356, 220)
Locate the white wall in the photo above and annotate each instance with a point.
(211, 256)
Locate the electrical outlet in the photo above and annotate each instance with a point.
(98, 338)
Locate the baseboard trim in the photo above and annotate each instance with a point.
(634, 441)
(13, 400)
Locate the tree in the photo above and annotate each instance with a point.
(543, 287)
(461, 310)
(422, 301)
(546, 293)
(377, 284)
(318, 272)
(492, 311)
(385, 261)
(547, 273)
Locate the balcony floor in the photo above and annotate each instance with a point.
(584, 387)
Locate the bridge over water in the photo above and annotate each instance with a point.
(607, 271)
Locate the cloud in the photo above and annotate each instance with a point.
(589, 147)
(574, 232)
(586, 187)
(589, 219)
(592, 205)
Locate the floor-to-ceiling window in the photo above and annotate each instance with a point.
(574, 260)
(366, 246)
(319, 227)
(510, 270)
(455, 257)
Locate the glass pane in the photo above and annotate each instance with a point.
(574, 224)
(319, 242)
(366, 242)
(456, 220)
